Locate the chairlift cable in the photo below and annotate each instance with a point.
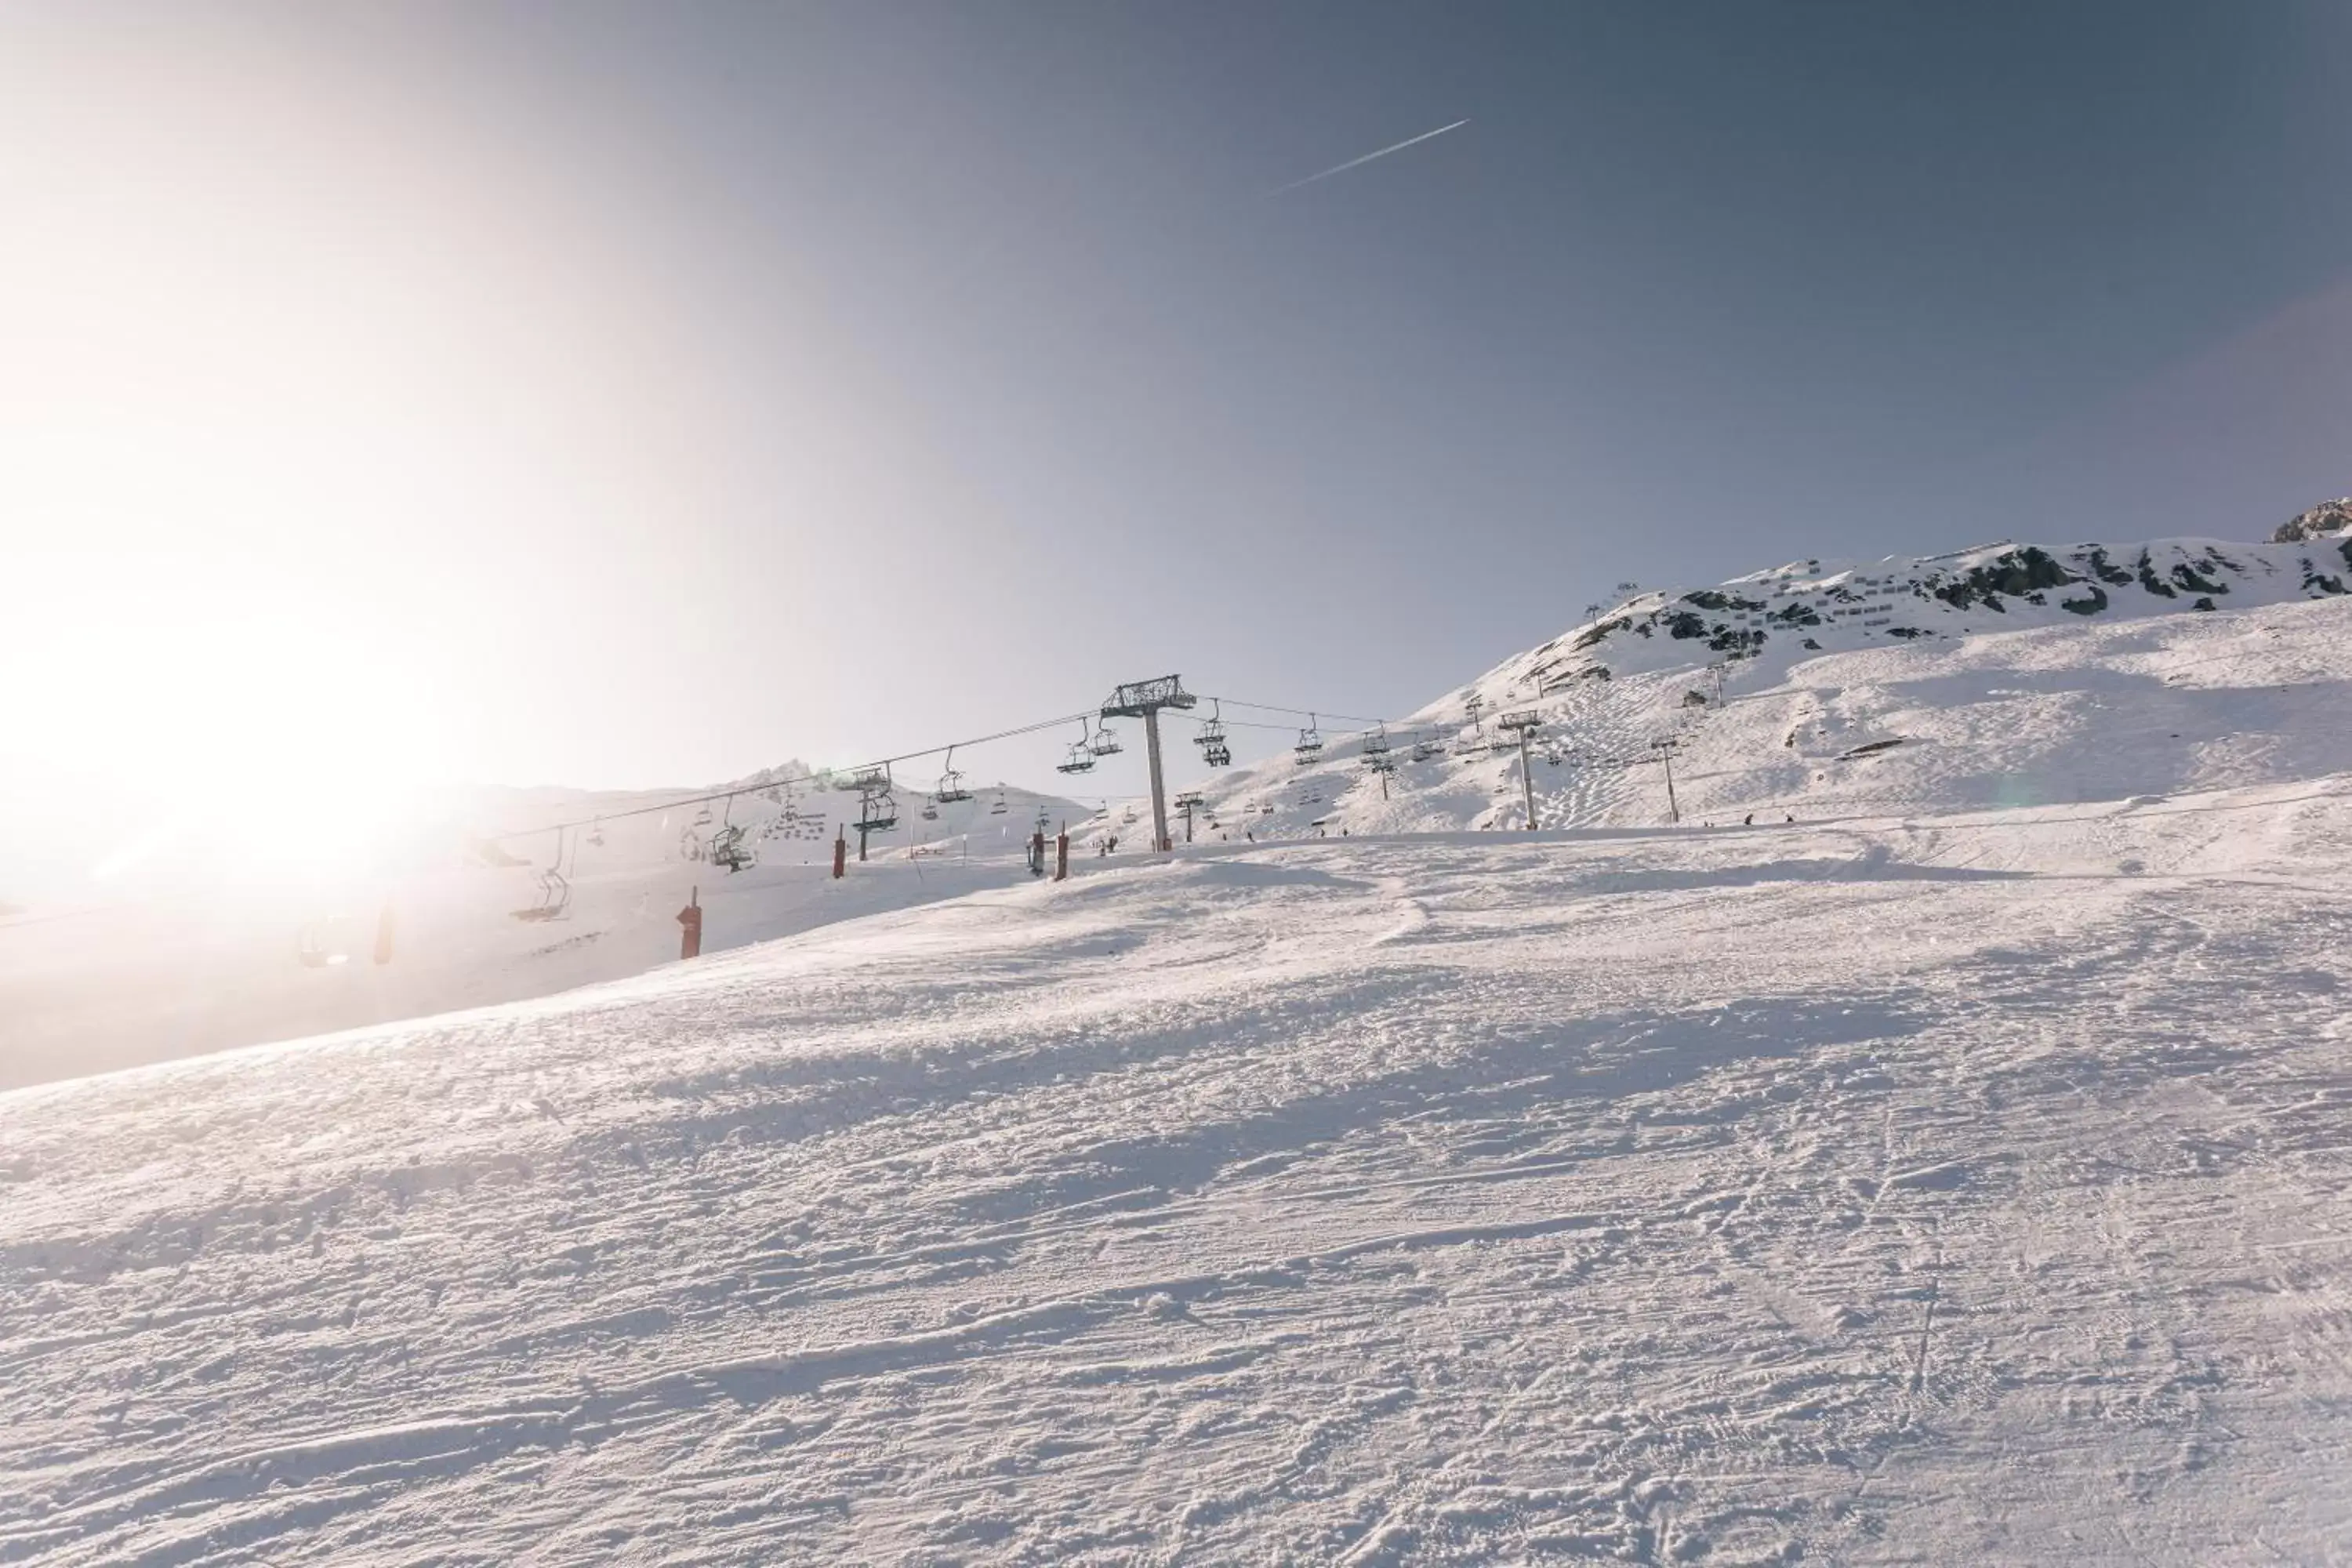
(728, 794)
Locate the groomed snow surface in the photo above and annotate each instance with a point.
(1950, 1182)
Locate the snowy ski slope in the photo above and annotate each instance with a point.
(1968, 1190)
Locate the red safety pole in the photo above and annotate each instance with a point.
(1062, 856)
(689, 941)
(840, 855)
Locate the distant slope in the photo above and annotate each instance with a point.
(2003, 675)
(197, 969)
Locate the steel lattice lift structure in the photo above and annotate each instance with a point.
(1143, 700)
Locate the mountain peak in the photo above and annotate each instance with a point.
(2329, 517)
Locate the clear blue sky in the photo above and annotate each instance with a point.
(630, 394)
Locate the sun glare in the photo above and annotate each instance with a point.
(255, 730)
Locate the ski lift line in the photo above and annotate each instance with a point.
(1298, 712)
(778, 779)
(1290, 728)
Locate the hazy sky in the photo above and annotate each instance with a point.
(632, 395)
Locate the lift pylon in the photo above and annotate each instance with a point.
(1143, 700)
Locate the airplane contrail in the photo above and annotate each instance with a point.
(1368, 157)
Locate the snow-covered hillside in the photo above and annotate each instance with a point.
(2002, 675)
(170, 971)
(1967, 1190)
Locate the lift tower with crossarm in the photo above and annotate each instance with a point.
(1522, 724)
(1143, 700)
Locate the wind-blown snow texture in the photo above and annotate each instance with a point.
(1961, 1179)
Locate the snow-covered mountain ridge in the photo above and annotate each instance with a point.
(2004, 674)
(1805, 607)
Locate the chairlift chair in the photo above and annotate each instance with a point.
(728, 850)
(1215, 750)
(1106, 741)
(554, 889)
(998, 808)
(1310, 744)
(1081, 758)
(950, 788)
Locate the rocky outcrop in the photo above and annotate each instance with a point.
(2328, 519)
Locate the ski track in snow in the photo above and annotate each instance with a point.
(1967, 1188)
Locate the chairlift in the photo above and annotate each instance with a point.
(1310, 744)
(877, 813)
(1081, 758)
(727, 848)
(596, 835)
(1376, 742)
(950, 788)
(1425, 750)
(931, 809)
(999, 807)
(554, 889)
(703, 819)
(1106, 741)
(1215, 750)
